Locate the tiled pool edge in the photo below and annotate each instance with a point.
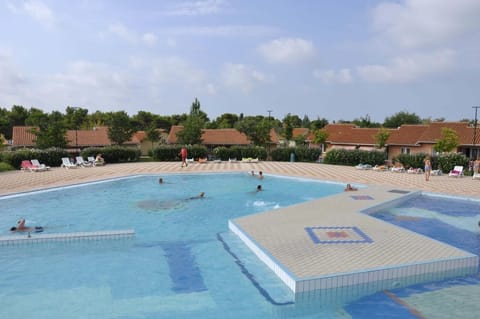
(33, 238)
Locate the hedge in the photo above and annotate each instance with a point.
(50, 157)
(354, 157)
(113, 154)
(302, 154)
(172, 152)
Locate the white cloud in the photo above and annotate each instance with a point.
(221, 31)
(39, 11)
(242, 77)
(124, 33)
(12, 81)
(196, 8)
(342, 76)
(149, 39)
(171, 70)
(417, 23)
(287, 50)
(409, 69)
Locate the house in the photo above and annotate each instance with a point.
(22, 137)
(212, 138)
(407, 139)
(145, 144)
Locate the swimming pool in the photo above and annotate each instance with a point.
(183, 261)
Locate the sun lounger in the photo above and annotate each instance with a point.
(363, 167)
(476, 176)
(35, 162)
(26, 165)
(457, 171)
(67, 164)
(81, 162)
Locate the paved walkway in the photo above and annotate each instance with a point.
(18, 181)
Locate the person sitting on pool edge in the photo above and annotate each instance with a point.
(22, 228)
(350, 188)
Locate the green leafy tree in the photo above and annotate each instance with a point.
(448, 142)
(121, 128)
(153, 135)
(306, 122)
(18, 115)
(5, 123)
(192, 127)
(318, 124)
(52, 132)
(401, 118)
(365, 122)
(2, 141)
(35, 117)
(381, 137)
(256, 128)
(320, 137)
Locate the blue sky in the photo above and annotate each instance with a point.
(338, 60)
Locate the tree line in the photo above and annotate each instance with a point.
(51, 127)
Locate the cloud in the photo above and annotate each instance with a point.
(409, 69)
(174, 70)
(197, 8)
(242, 77)
(287, 50)
(12, 81)
(419, 23)
(342, 76)
(37, 10)
(221, 31)
(40, 12)
(127, 35)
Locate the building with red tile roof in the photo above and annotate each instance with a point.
(219, 137)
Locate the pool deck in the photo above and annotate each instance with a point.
(321, 244)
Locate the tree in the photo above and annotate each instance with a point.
(381, 137)
(193, 125)
(448, 142)
(121, 128)
(365, 122)
(289, 123)
(401, 118)
(320, 137)
(256, 128)
(318, 124)
(153, 135)
(52, 132)
(306, 121)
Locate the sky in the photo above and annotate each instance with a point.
(339, 60)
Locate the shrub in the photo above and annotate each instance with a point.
(51, 157)
(113, 154)
(354, 157)
(6, 167)
(302, 154)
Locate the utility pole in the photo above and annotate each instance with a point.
(475, 131)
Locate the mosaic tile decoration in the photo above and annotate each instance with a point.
(362, 197)
(337, 235)
(398, 191)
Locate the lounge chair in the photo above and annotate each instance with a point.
(232, 160)
(412, 170)
(380, 168)
(190, 160)
(81, 162)
(398, 169)
(457, 171)
(476, 176)
(35, 162)
(67, 164)
(26, 165)
(363, 167)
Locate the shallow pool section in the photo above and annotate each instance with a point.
(181, 262)
(328, 249)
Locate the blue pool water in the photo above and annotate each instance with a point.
(183, 261)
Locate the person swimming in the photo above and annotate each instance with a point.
(21, 227)
(201, 195)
